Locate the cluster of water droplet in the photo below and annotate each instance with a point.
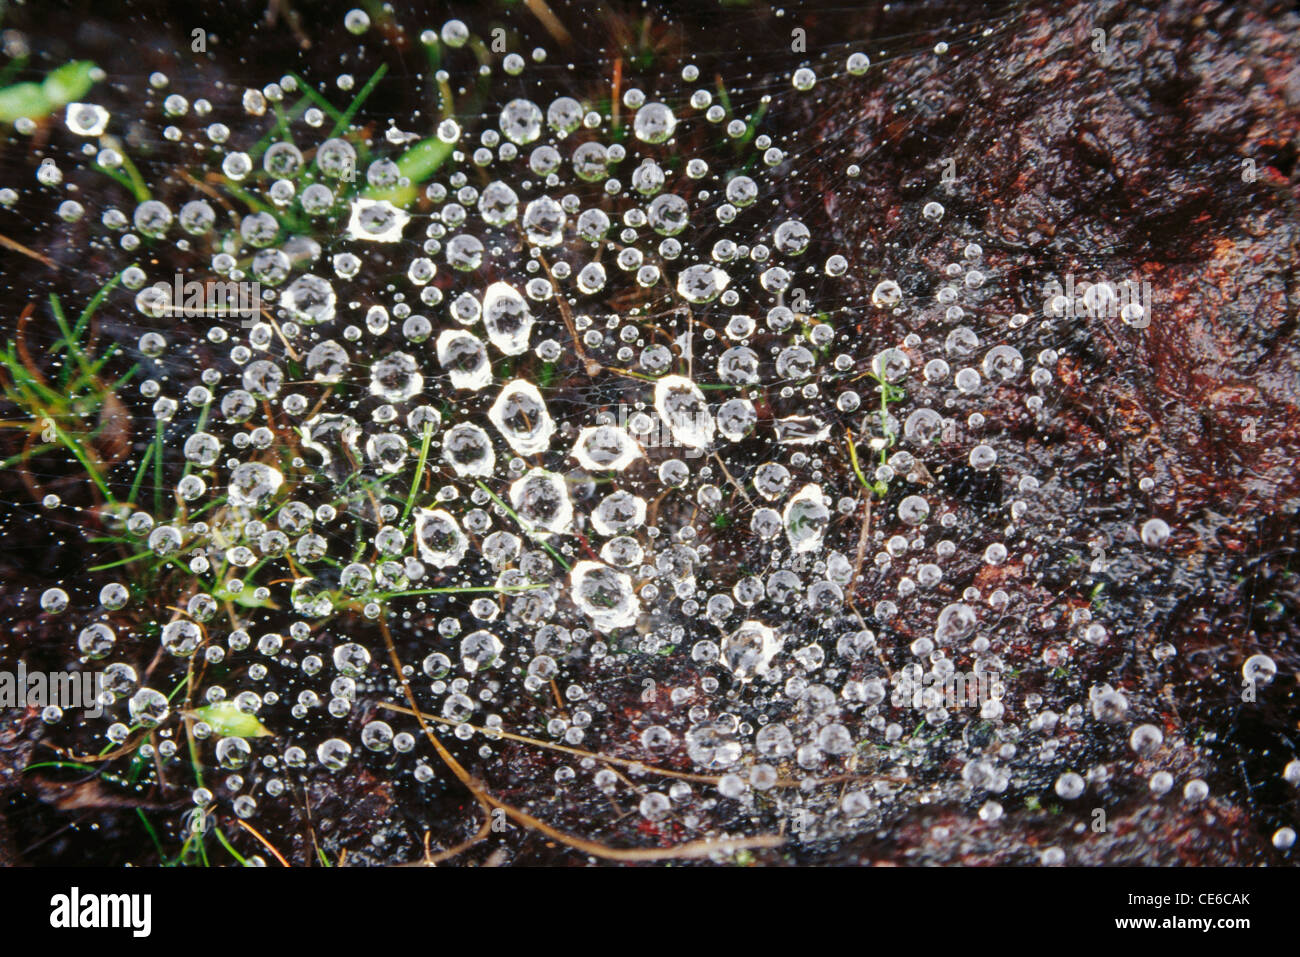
(580, 404)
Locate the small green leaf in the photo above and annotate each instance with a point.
(38, 100)
(228, 721)
(70, 82)
(417, 164)
(23, 99)
(247, 598)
